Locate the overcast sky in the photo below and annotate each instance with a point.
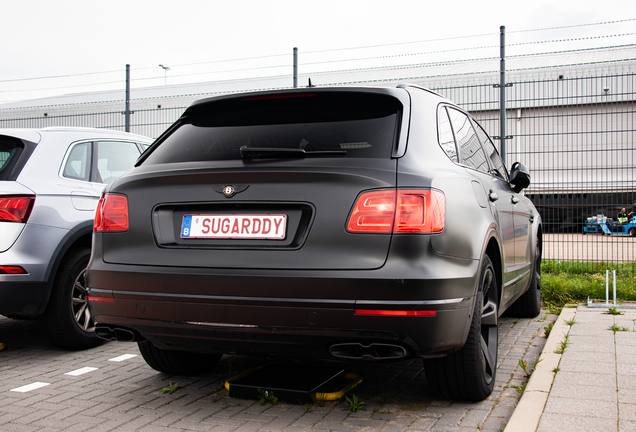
(44, 38)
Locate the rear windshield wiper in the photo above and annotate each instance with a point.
(265, 153)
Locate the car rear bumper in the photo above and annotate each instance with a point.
(299, 313)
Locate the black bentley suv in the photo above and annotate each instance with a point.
(327, 223)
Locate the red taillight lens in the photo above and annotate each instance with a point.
(12, 270)
(394, 312)
(112, 213)
(404, 211)
(16, 208)
(420, 211)
(373, 212)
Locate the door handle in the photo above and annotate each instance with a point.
(514, 199)
(493, 196)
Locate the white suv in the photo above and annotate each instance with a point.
(50, 182)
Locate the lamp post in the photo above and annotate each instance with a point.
(165, 73)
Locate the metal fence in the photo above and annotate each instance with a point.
(574, 131)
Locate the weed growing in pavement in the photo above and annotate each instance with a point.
(519, 388)
(265, 396)
(172, 388)
(613, 311)
(524, 366)
(354, 404)
(571, 322)
(385, 399)
(616, 328)
(318, 402)
(307, 408)
(556, 369)
(562, 346)
(547, 329)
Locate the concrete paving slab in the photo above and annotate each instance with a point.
(551, 422)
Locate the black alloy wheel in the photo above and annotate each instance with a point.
(79, 304)
(469, 374)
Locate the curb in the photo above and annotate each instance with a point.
(529, 410)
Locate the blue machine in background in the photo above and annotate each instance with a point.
(603, 225)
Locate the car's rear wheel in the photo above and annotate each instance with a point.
(469, 374)
(529, 304)
(632, 232)
(177, 362)
(67, 321)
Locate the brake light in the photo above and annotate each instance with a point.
(279, 96)
(402, 211)
(394, 312)
(112, 213)
(16, 208)
(12, 270)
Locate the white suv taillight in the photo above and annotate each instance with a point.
(16, 208)
(401, 211)
(112, 213)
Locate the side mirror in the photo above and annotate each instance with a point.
(519, 176)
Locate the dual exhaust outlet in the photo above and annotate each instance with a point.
(374, 351)
(117, 334)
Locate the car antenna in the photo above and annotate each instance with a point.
(310, 83)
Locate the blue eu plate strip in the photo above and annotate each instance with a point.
(186, 226)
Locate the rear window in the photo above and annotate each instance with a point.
(10, 150)
(342, 124)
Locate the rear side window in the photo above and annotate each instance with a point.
(446, 138)
(10, 150)
(100, 162)
(78, 163)
(343, 124)
(471, 153)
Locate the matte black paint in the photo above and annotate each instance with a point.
(298, 296)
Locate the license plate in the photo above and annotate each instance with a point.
(234, 226)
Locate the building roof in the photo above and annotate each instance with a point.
(482, 71)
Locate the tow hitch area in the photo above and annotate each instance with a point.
(294, 384)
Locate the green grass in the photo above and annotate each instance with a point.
(573, 282)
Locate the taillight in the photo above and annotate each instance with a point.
(402, 211)
(112, 213)
(16, 208)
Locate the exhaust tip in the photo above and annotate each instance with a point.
(375, 351)
(117, 334)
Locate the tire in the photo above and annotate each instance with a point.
(67, 321)
(529, 304)
(632, 232)
(177, 362)
(469, 374)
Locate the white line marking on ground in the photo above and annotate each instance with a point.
(81, 371)
(26, 388)
(123, 357)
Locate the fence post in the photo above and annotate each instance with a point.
(295, 67)
(502, 91)
(127, 109)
